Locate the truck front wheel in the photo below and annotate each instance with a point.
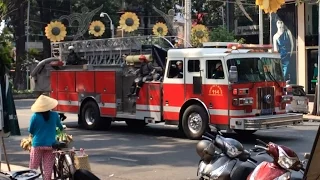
(194, 121)
(91, 119)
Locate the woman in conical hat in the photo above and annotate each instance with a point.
(42, 127)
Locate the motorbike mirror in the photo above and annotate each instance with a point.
(214, 129)
(306, 155)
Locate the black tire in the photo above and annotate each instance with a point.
(82, 174)
(91, 119)
(136, 124)
(244, 132)
(188, 130)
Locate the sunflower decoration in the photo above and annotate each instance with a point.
(129, 22)
(56, 31)
(270, 6)
(97, 28)
(199, 34)
(160, 29)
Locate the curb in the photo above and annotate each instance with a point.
(24, 96)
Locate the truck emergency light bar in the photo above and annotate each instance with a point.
(254, 47)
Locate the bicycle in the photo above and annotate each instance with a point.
(64, 167)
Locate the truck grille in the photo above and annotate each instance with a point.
(265, 102)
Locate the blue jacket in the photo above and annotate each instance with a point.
(44, 132)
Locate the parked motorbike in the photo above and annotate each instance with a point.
(284, 160)
(20, 175)
(231, 162)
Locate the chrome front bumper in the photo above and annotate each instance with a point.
(266, 122)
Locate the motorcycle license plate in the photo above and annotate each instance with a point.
(300, 102)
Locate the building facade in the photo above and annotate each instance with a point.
(301, 24)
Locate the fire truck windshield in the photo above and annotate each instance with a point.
(257, 69)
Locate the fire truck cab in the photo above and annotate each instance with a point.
(232, 86)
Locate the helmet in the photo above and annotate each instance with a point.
(218, 65)
(178, 63)
(205, 147)
(142, 58)
(70, 48)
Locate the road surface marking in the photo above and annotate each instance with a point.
(123, 159)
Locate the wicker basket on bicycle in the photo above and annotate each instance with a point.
(82, 162)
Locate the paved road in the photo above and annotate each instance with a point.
(157, 152)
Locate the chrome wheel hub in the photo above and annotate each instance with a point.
(194, 122)
(89, 116)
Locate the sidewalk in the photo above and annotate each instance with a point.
(309, 117)
(4, 167)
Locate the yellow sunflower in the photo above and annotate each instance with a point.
(55, 31)
(199, 34)
(97, 28)
(160, 29)
(270, 6)
(129, 22)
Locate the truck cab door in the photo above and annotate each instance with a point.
(173, 89)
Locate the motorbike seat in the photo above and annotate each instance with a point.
(59, 145)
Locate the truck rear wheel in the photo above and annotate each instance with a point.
(91, 119)
(194, 122)
(136, 124)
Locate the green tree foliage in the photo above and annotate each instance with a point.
(5, 51)
(221, 34)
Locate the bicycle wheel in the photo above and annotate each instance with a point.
(64, 171)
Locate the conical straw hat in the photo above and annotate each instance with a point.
(43, 104)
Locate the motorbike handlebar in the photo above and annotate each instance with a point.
(261, 142)
(261, 147)
(207, 138)
(210, 135)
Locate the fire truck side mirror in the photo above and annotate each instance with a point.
(233, 74)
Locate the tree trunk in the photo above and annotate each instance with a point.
(45, 17)
(19, 28)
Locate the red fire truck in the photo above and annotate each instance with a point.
(249, 94)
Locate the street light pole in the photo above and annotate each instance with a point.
(28, 27)
(260, 26)
(111, 24)
(187, 22)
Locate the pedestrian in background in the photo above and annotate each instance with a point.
(42, 127)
